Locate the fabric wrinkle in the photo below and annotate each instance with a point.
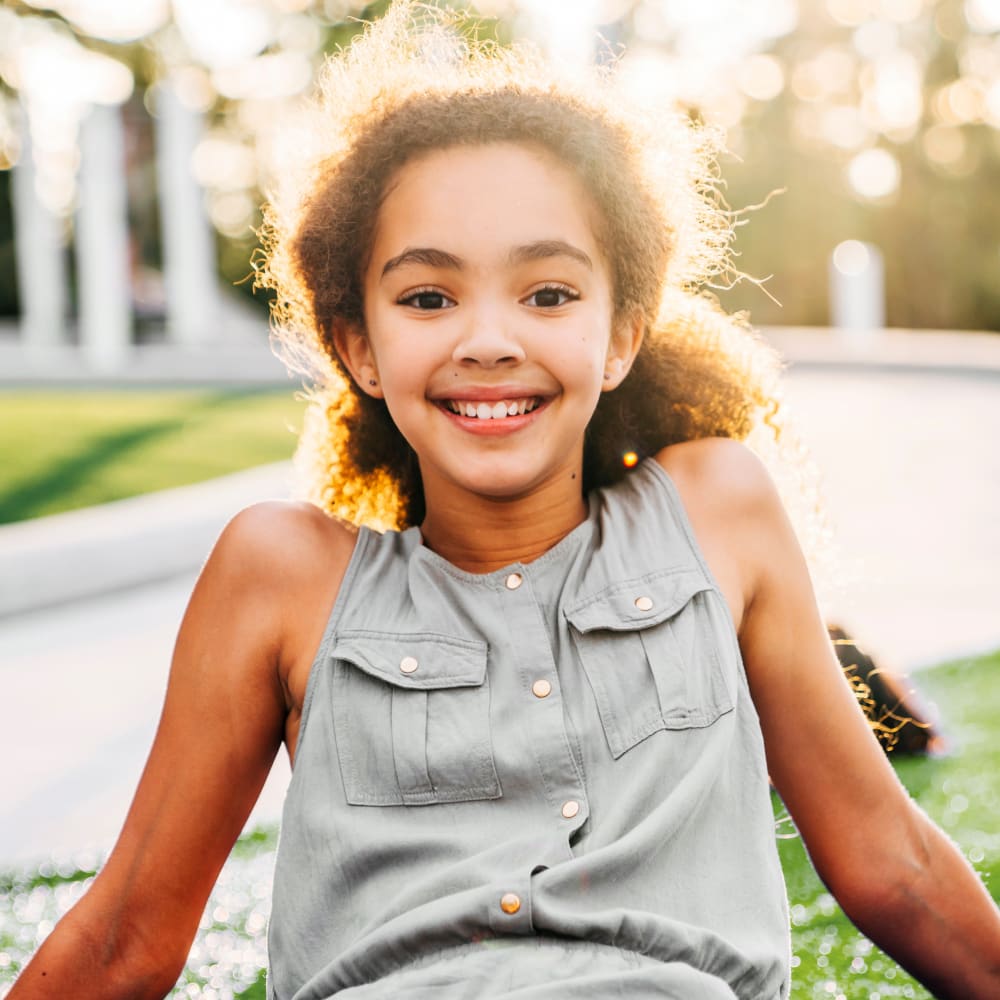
(623, 815)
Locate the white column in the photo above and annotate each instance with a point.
(41, 265)
(857, 292)
(102, 252)
(188, 240)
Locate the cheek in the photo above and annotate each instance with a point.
(402, 377)
(589, 352)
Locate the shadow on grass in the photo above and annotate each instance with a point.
(71, 472)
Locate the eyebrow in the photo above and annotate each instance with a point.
(538, 250)
(541, 249)
(423, 255)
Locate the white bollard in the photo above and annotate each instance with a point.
(857, 292)
(102, 251)
(188, 242)
(39, 246)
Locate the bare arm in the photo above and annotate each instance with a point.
(222, 723)
(894, 872)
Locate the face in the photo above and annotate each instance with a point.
(488, 307)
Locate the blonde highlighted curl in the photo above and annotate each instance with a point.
(413, 82)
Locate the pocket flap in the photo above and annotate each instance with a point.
(638, 603)
(418, 660)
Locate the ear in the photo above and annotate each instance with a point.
(626, 339)
(355, 350)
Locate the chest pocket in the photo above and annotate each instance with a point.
(412, 715)
(652, 657)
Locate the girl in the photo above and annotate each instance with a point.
(532, 731)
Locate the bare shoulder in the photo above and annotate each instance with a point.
(721, 472)
(733, 507)
(284, 562)
(287, 534)
(276, 554)
(258, 606)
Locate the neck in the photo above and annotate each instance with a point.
(481, 534)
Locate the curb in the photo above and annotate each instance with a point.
(83, 553)
(68, 557)
(974, 354)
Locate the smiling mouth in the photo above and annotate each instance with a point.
(498, 410)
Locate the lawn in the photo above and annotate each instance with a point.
(69, 449)
(832, 960)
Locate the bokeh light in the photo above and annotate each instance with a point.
(983, 15)
(874, 174)
(111, 19)
(851, 258)
(761, 77)
(858, 93)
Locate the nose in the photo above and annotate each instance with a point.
(488, 339)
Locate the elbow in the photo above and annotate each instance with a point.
(86, 963)
(874, 898)
(887, 881)
(145, 969)
(140, 977)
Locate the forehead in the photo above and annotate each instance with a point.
(473, 200)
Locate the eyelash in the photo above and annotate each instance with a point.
(410, 299)
(571, 294)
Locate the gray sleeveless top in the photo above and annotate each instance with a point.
(542, 782)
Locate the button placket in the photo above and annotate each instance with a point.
(510, 902)
(541, 688)
(570, 809)
(509, 907)
(529, 634)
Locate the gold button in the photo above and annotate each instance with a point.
(541, 688)
(408, 664)
(644, 603)
(510, 902)
(514, 581)
(570, 808)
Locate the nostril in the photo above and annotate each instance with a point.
(507, 359)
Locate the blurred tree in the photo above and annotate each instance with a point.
(886, 130)
(8, 274)
(879, 118)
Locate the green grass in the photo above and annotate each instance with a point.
(832, 960)
(69, 449)
(961, 792)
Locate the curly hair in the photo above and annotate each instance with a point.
(412, 84)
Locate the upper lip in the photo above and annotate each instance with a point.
(489, 393)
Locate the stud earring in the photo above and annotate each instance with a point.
(372, 381)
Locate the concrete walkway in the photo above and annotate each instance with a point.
(94, 599)
(904, 432)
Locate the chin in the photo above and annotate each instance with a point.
(494, 482)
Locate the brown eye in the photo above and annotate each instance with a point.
(551, 297)
(428, 301)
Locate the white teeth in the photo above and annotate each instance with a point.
(492, 411)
